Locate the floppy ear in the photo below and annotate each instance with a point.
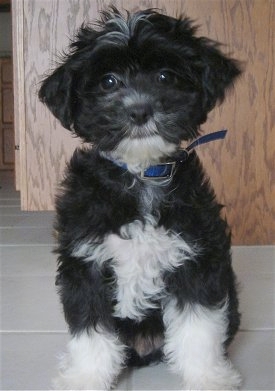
(214, 72)
(218, 74)
(56, 93)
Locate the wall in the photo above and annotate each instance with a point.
(241, 167)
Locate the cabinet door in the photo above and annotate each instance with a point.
(241, 167)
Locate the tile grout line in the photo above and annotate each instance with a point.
(13, 332)
(25, 227)
(27, 245)
(23, 245)
(5, 332)
(256, 330)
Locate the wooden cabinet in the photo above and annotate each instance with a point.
(6, 115)
(241, 168)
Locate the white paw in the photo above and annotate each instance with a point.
(93, 362)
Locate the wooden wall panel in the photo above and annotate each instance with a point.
(18, 95)
(241, 167)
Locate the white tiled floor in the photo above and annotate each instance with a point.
(33, 331)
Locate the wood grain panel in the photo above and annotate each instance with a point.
(241, 167)
(19, 99)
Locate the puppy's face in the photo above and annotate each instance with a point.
(140, 105)
(137, 87)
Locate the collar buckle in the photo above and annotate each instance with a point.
(159, 171)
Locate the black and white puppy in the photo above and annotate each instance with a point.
(144, 256)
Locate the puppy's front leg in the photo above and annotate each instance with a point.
(194, 347)
(92, 362)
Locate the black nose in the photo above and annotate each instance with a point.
(140, 114)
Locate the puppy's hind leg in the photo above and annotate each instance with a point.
(194, 347)
(92, 362)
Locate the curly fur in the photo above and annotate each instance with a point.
(144, 266)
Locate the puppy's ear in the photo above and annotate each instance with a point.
(56, 93)
(218, 73)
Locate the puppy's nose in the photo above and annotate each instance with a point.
(140, 114)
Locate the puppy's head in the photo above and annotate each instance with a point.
(137, 86)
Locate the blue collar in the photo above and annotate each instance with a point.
(166, 170)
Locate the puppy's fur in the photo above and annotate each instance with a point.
(144, 265)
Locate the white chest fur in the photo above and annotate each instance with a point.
(139, 256)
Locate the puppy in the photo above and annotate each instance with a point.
(144, 256)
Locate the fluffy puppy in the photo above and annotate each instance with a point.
(144, 256)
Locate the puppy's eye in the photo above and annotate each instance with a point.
(109, 83)
(166, 77)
